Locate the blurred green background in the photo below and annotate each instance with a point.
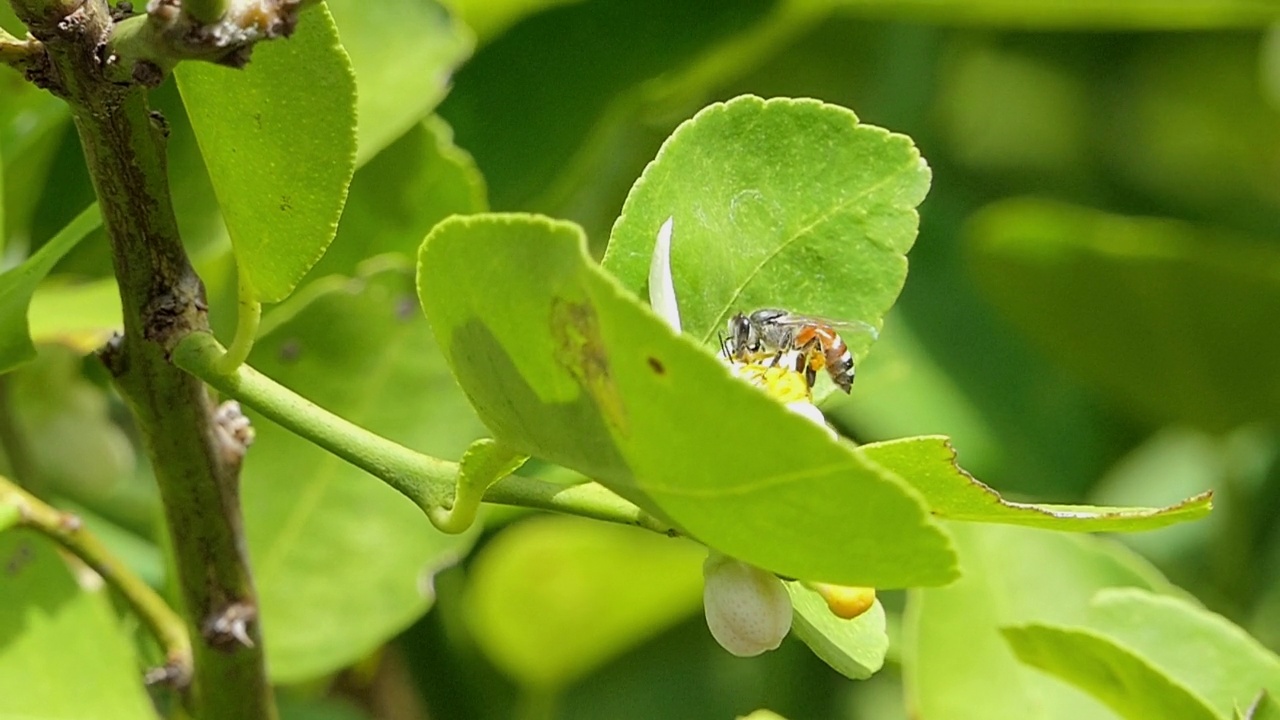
(1092, 312)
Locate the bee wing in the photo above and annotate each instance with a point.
(856, 326)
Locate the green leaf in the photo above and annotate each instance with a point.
(488, 18)
(1111, 672)
(32, 125)
(929, 464)
(403, 53)
(562, 365)
(63, 653)
(64, 423)
(18, 284)
(592, 60)
(1204, 651)
(1175, 321)
(80, 316)
(777, 203)
(957, 666)
(298, 706)
(278, 138)
(396, 198)
(854, 648)
(552, 598)
(359, 349)
(3, 235)
(1069, 14)
(903, 390)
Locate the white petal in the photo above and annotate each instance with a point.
(809, 411)
(748, 610)
(662, 291)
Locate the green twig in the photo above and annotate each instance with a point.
(147, 46)
(66, 530)
(429, 482)
(249, 316)
(19, 54)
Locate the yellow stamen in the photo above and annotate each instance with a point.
(783, 383)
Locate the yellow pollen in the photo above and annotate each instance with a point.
(783, 383)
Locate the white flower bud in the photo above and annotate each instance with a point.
(748, 610)
(662, 288)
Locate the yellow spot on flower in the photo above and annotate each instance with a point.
(846, 602)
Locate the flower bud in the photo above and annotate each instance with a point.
(748, 609)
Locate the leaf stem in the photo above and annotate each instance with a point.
(66, 530)
(425, 480)
(249, 316)
(484, 463)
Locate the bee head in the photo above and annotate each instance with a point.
(742, 336)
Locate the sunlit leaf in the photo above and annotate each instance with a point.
(777, 203)
(929, 464)
(65, 654)
(561, 364)
(1111, 672)
(1208, 654)
(280, 151)
(403, 53)
(1010, 576)
(397, 197)
(80, 316)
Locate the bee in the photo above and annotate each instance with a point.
(813, 342)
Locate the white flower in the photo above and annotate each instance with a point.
(662, 289)
(748, 609)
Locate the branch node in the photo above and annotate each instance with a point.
(122, 10)
(235, 432)
(70, 522)
(229, 628)
(112, 355)
(175, 673)
(161, 125)
(148, 74)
